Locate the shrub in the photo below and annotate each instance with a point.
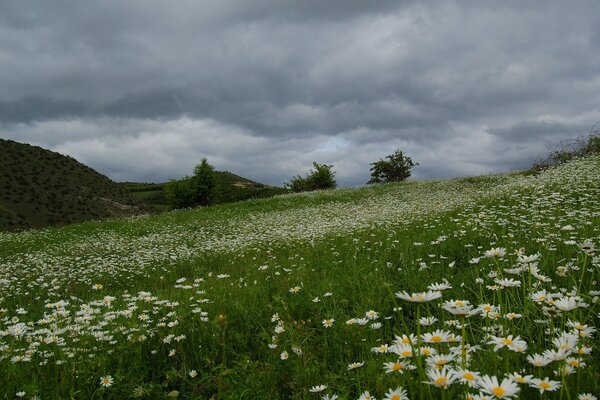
(397, 168)
(199, 189)
(321, 178)
(569, 149)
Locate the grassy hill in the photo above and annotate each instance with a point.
(41, 188)
(231, 188)
(484, 287)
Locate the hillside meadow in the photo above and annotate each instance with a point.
(473, 288)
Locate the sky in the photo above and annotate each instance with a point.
(141, 90)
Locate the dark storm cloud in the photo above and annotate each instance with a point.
(465, 87)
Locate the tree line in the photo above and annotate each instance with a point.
(200, 189)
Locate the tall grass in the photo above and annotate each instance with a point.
(301, 296)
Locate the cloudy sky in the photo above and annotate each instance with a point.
(141, 90)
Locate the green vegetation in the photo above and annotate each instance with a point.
(397, 168)
(310, 295)
(567, 150)
(230, 188)
(322, 177)
(39, 188)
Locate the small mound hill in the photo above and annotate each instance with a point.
(39, 188)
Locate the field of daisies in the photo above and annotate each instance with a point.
(473, 288)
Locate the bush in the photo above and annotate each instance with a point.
(321, 178)
(397, 168)
(199, 189)
(569, 149)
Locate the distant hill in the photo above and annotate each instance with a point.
(231, 188)
(41, 188)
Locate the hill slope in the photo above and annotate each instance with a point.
(279, 298)
(41, 188)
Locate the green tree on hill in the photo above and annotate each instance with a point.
(321, 178)
(396, 168)
(197, 190)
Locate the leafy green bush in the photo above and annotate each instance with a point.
(321, 178)
(199, 189)
(397, 168)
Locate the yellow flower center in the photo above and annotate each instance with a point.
(395, 397)
(406, 340)
(436, 338)
(441, 381)
(426, 352)
(574, 363)
(544, 385)
(442, 362)
(460, 303)
(397, 367)
(498, 391)
(469, 376)
(421, 297)
(406, 353)
(507, 341)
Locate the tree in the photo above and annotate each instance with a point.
(397, 168)
(191, 191)
(204, 183)
(321, 178)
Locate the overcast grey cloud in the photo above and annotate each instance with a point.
(141, 90)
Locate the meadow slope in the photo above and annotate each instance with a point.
(482, 287)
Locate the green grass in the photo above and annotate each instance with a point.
(199, 290)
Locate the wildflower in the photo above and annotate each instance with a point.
(328, 323)
(421, 297)
(427, 321)
(586, 396)
(355, 365)
(437, 336)
(566, 304)
(438, 287)
(439, 360)
(284, 355)
(106, 381)
(495, 252)
(411, 339)
(397, 366)
(384, 348)
(97, 286)
(518, 378)
(575, 362)
(372, 314)
(366, 396)
(441, 378)
(468, 377)
(295, 289)
(398, 394)
(328, 397)
(508, 341)
(193, 373)
(427, 351)
(403, 350)
(545, 385)
(506, 389)
(317, 388)
(538, 360)
(508, 282)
